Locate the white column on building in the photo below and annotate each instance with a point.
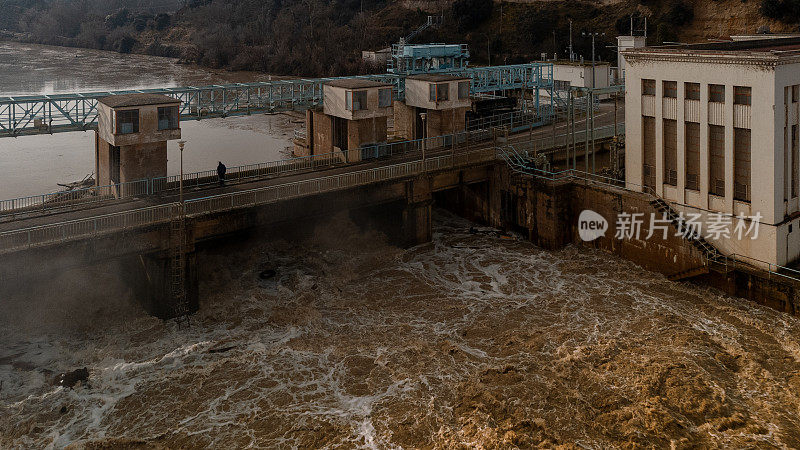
(681, 122)
(782, 127)
(703, 145)
(728, 118)
(633, 133)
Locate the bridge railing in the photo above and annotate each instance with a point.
(12, 208)
(152, 186)
(480, 132)
(64, 231)
(136, 218)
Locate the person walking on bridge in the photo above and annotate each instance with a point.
(221, 169)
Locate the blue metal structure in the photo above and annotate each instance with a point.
(422, 58)
(43, 114)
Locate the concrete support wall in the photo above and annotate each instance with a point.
(416, 219)
(153, 287)
(447, 121)
(102, 161)
(320, 132)
(136, 162)
(405, 121)
(364, 132)
(143, 161)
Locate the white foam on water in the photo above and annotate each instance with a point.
(475, 340)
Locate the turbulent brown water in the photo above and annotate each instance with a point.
(475, 340)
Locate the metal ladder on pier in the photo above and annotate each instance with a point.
(177, 238)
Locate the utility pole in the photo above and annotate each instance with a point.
(593, 35)
(571, 54)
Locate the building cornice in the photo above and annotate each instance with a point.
(762, 59)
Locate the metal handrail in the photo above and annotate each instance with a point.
(15, 207)
(150, 186)
(93, 226)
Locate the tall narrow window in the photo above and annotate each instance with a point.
(385, 98)
(356, 100)
(670, 152)
(716, 93)
(787, 146)
(463, 90)
(795, 93)
(716, 160)
(794, 161)
(741, 164)
(128, 121)
(648, 87)
(671, 89)
(693, 156)
(649, 144)
(741, 95)
(442, 92)
(786, 168)
(692, 91)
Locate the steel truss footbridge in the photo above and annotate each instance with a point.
(45, 114)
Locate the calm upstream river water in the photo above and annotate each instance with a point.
(31, 165)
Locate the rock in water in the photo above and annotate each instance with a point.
(70, 379)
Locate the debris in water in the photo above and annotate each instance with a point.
(70, 379)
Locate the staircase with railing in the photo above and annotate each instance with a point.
(431, 22)
(686, 231)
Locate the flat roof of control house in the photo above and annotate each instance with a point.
(436, 77)
(356, 83)
(125, 100)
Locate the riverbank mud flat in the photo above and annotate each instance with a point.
(475, 340)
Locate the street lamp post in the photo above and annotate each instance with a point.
(180, 183)
(423, 116)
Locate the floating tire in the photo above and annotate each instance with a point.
(267, 274)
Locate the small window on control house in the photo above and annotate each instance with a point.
(442, 92)
(385, 98)
(356, 100)
(128, 121)
(463, 90)
(168, 117)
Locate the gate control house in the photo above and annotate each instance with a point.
(443, 99)
(131, 138)
(354, 115)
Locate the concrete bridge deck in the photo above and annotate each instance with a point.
(23, 212)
